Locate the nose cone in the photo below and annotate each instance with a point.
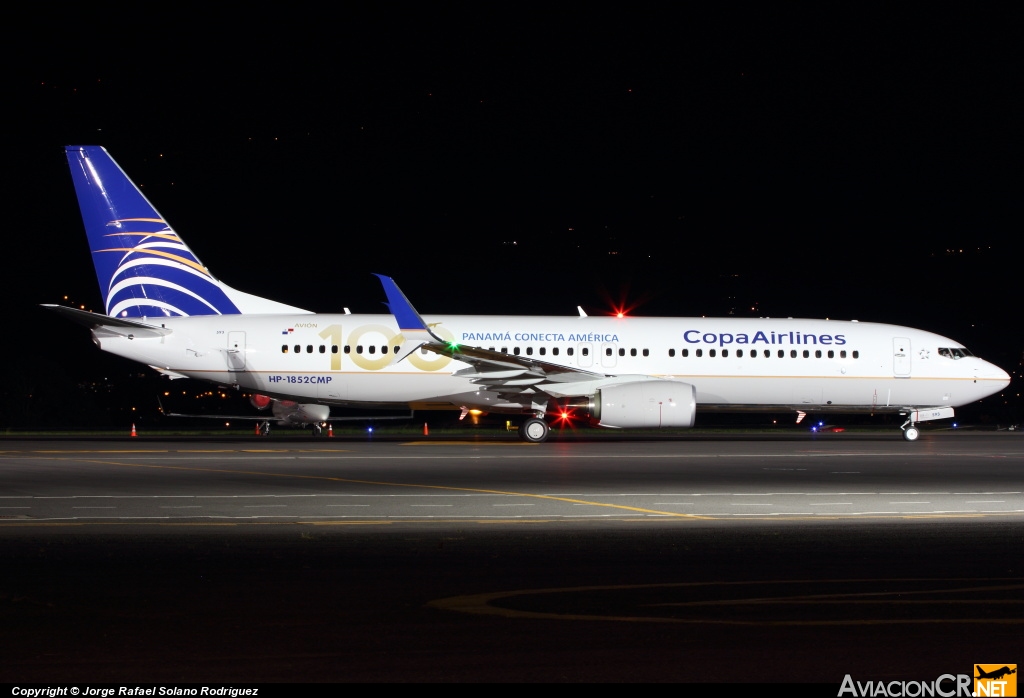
(1001, 375)
(990, 372)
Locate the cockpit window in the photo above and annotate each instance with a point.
(954, 352)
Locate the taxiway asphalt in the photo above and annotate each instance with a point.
(292, 560)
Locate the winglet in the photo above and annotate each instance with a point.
(415, 332)
(405, 315)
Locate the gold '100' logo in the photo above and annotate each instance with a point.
(332, 333)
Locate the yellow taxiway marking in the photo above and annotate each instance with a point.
(482, 604)
(467, 443)
(186, 450)
(108, 450)
(447, 488)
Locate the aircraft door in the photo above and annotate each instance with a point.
(901, 357)
(236, 351)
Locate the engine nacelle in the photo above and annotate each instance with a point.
(646, 405)
(289, 412)
(260, 402)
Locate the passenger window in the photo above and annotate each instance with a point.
(725, 353)
(792, 353)
(323, 349)
(622, 352)
(373, 349)
(712, 353)
(700, 353)
(807, 354)
(334, 348)
(585, 351)
(554, 351)
(842, 354)
(570, 351)
(817, 353)
(359, 348)
(298, 349)
(543, 351)
(647, 352)
(831, 354)
(348, 348)
(515, 350)
(856, 354)
(608, 351)
(529, 351)
(739, 353)
(284, 348)
(632, 352)
(768, 354)
(686, 352)
(671, 352)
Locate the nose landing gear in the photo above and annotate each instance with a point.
(911, 433)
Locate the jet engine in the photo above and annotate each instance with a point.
(260, 402)
(645, 405)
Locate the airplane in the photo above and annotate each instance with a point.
(166, 310)
(995, 673)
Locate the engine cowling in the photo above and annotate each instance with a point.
(260, 402)
(646, 405)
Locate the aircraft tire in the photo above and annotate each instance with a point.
(534, 431)
(911, 433)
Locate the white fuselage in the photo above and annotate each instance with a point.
(733, 363)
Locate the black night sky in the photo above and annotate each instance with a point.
(839, 160)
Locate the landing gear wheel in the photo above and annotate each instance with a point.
(911, 434)
(534, 430)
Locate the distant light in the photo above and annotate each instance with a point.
(954, 425)
(369, 430)
(620, 314)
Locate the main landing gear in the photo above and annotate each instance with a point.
(534, 430)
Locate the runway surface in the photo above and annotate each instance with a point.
(797, 559)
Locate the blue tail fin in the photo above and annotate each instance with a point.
(144, 269)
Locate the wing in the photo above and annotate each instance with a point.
(512, 377)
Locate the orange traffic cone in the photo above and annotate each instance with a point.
(133, 430)
(330, 430)
(426, 431)
(257, 428)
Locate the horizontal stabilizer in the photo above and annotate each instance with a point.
(117, 325)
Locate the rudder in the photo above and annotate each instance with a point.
(144, 269)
